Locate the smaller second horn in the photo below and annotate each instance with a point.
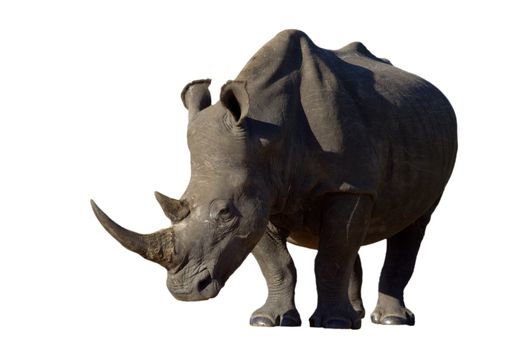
(174, 209)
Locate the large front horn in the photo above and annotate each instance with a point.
(157, 247)
(174, 209)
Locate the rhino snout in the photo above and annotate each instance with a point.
(201, 287)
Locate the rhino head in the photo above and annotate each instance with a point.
(225, 208)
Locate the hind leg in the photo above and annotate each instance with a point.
(399, 264)
(354, 291)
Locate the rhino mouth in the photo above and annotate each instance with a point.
(203, 287)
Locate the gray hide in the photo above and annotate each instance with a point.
(325, 149)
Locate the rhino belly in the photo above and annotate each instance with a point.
(381, 227)
(310, 239)
(304, 238)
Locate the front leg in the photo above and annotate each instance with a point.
(279, 271)
(344, 224)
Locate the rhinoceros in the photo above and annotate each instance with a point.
(325, 149)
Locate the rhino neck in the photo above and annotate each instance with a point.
(278, 121)
(284, 145)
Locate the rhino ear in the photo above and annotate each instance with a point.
(234, 97)
(196, 96)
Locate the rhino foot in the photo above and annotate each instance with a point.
(336, 319)
(265, 318)
(391, 311)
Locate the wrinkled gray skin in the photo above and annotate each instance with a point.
(329, 150)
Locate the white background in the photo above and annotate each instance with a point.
(90, 108)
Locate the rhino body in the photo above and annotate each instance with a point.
(325, 149)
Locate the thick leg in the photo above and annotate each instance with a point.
(399, 264)
(354, 291)
(344, 223)
(277, 267)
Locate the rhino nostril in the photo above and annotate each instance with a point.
(205, 282)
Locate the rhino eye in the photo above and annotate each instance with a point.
(225, 214)
(221, 210)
